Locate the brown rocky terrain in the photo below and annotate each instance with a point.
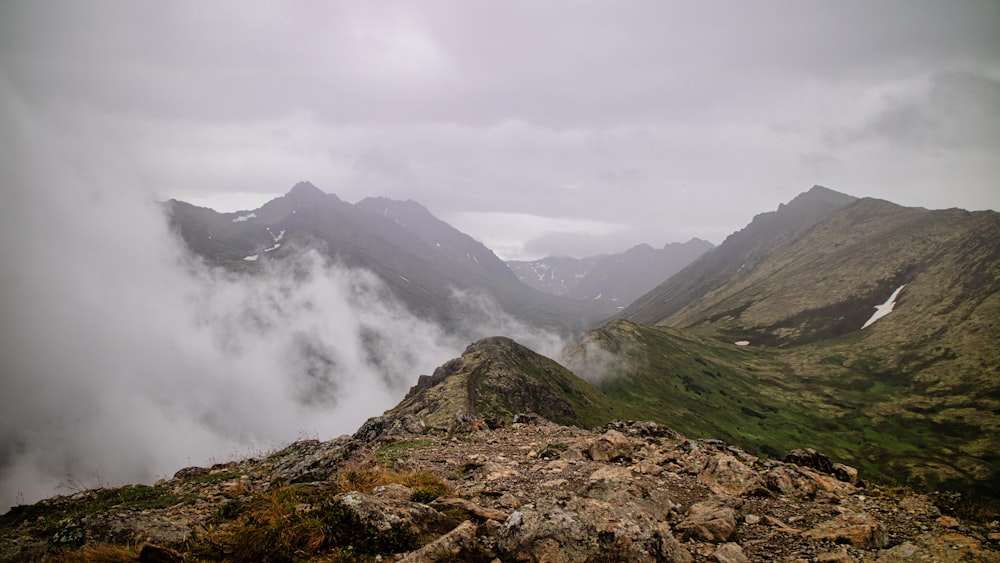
(530, 490)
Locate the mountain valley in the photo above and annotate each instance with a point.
(617, 279)
(853, 327)
(911, 397)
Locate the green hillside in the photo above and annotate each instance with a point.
(832, 396)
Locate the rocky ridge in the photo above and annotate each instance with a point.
(527, 491)
(496, 378)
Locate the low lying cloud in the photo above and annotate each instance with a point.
(592, 360)
(124, 358)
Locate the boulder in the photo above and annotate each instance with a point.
(808, 457)
(382, 426)
(726, 475)
(845, 473)
(611, 446)
(729, 553)
(710, 521)
(856, 528)
(799, 481)
(310, 460)
(587, 529)
(386, 509)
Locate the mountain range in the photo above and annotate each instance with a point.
(911, 394)
(422, 260)
(853, 326)
(616, 279)
(769, 339)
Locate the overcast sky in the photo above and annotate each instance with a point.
(569, 127)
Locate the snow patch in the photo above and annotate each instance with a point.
(883, 309)
(246, 217)
(270, 248)
(276, 237)
(252, 258)
(598, 296)
(742, 343)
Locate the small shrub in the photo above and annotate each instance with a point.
(294, 522)
(427, 493)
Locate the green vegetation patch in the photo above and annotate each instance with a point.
(44, 517)
(295, 523)
(848, 400)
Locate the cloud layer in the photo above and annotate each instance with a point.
(672, 120)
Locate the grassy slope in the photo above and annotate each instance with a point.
(835, 397)
(914, 398)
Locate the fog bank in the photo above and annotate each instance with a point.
(124, 359)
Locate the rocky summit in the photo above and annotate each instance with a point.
(529, 490)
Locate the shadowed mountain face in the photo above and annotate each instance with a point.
(424, 262)
(616, 279)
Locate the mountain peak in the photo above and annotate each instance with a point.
(387, 206)
(819, 195)
(495, 378)
(306, 189)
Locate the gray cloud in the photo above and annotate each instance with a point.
(661, 116)
(957, 111)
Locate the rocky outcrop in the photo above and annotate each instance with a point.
(631, 491)
(494, 380)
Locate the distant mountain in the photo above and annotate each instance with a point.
(421, 259)
(616, 279)
(868, 326)
(741, 252)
